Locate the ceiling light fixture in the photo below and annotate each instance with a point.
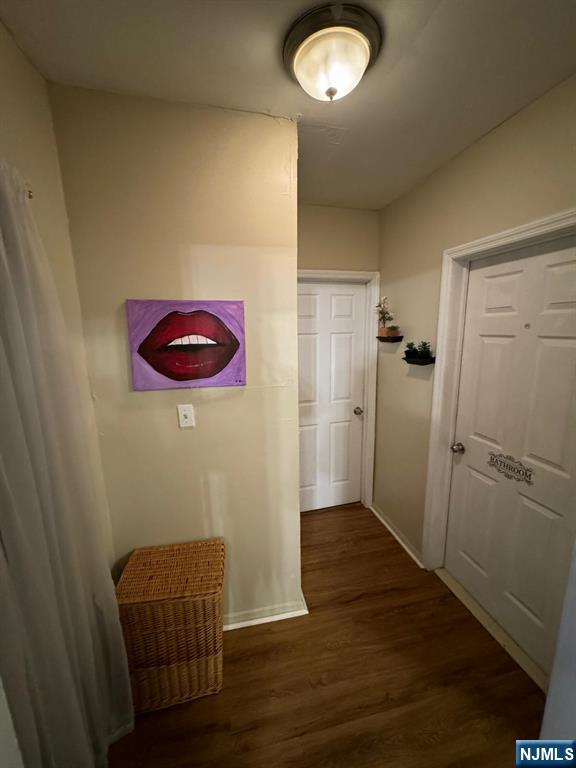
(328, 49)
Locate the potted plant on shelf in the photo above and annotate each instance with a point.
(419, 355)
(424, 350)
(386, 332)
(384, 315)
(410, 353)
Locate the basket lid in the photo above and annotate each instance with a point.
(193, 569)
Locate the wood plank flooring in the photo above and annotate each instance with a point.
(389, 669)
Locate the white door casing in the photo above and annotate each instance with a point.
(509, 541)
(331, 338)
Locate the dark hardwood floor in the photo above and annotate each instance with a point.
(389, 669)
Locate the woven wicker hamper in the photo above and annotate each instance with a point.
(170, 601)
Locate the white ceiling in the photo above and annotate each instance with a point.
(449, 72)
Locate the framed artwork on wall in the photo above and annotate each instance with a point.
(176, 344)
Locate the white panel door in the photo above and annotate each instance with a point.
(512, 515)
(331, 385)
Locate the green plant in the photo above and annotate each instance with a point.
(393, 327)
(424, 349)
(384, 313)
(410, 350)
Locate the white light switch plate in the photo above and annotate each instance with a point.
(186, 416)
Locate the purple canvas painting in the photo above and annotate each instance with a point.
(177, 344)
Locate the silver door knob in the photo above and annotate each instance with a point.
(358, 411)
(458, 448)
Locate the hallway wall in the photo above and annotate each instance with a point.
(523, 170)
(338, 238)
(169, 201)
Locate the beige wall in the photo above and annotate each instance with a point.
(27, 143)
(338, 238)
(168, 201)
(523, 170)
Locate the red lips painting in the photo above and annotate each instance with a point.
(186, 343)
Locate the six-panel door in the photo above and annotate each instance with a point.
(512, 513)
(331, 384)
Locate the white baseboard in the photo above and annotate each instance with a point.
(501, 637)
(265, 615)
(400, 538)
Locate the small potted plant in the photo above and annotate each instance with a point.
(410, 353)
(386, 332)
(384, 315)
(424, 350)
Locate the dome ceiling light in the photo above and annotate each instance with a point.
(328, 49)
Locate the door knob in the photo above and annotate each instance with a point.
(358, 411)
(457, 448)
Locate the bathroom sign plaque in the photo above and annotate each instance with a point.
(511, 468)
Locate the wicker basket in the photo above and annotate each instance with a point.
(170, 601)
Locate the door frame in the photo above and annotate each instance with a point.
(372, 282)
(452, 312)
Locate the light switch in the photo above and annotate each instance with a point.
(186, 416)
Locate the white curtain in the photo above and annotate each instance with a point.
(62, 659)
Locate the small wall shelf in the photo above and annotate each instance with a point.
(419, 360)
(390, 339)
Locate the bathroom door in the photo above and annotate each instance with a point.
(512, 517)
